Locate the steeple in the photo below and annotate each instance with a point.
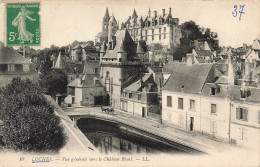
(134, 15)
(106, 17)
(60, 64)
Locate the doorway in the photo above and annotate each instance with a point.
(191, 123)
(143, 112)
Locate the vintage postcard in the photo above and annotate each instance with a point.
(129, 83)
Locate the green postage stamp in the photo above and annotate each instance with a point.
(23, 24)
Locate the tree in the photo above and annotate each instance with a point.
(54, 82)
(191, 32)
(29, 121)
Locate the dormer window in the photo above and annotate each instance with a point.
(96, 82)
(214, 89)
(11, 67)
(245, 92)
(25, 67)
(95, 70)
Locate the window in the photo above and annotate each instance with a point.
(192, 104)
(136, 32)
(130, 95)
(11, 67)
(213, 108)
(96, 82)
(180, 103)
(95, 70)
(169, 101)
(152, 34)
(213, 127)
(25, 67)
(164, 36)
(107, 74)
(160, 30)
(139, 96)
(164, 29)
(124, 94)
(213, 91)
(245, 93)
(241, 114)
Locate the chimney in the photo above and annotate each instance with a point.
(170, 10)
(189, 59)
(155, 14)
(149, 13)
(163, 12)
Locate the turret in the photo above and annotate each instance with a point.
(149, 13)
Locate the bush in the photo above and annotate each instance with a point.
(29, 121)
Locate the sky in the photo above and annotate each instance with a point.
(62, 22)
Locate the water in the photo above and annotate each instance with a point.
(110, 137)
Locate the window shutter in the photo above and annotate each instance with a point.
(237, 113)
(245, 114)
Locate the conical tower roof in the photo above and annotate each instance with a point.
(134, 15)
(139, 49)
(60, 63)
(106, 17)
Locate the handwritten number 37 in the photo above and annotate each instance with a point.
(241, 8)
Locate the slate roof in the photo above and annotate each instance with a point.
(128, 44)
(63, 65)
(188, 79)
(8, 55)
(204, 53)
(87, 81)
(170, 67)
(90, 65)
(135, 83)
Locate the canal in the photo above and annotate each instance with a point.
(117, 138)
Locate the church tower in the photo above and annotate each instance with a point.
(105, 21)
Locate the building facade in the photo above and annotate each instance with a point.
(154, 28)
(12, 64)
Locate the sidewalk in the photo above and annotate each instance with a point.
(196, 141)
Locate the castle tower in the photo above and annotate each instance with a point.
(118, 65)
